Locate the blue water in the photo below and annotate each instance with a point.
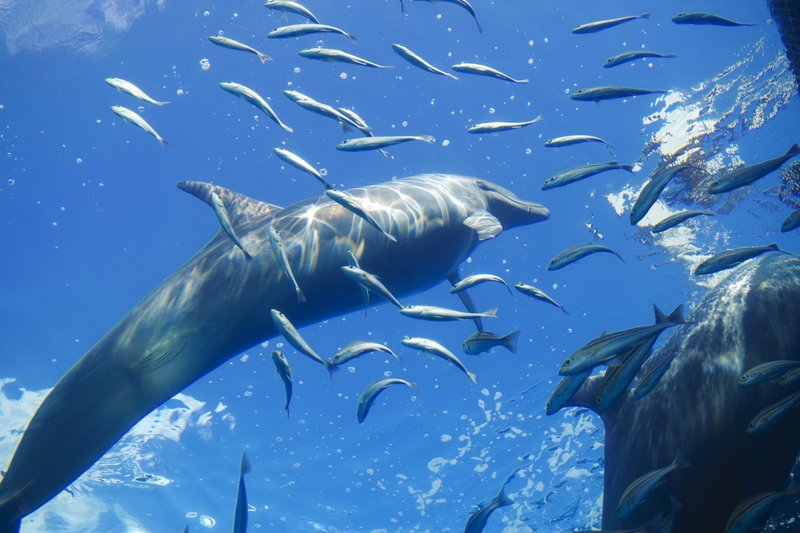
(91, 222)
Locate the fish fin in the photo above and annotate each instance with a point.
(522, 81)
(351, 37)
(478, 24)
(331, 368)
(263, 57)
(502, 499)
(240, 208)
(485, 224)
(156, 102)
(162, 140)
(287, 128)
(510, 341)
(680, 461)
(301, 298)
(491, 313)
(473, 377)
(644, 16)
(660, 316)
(402, 7)
(451, 76)
(794, 150)
(676, 316)
(245, 467)
(466, 299)
(427, 138)
(345, 127)
(628, 168)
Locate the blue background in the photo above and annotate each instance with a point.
(90, 222)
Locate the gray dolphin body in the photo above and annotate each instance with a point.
(218, 304)
(699, 407)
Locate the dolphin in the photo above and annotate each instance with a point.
(217, 305)
(750, 318)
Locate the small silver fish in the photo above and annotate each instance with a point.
(296, 30)
(642, 488)
(579, 251)
(476, 279)
(677, 218)
(706, 19)
(652, 189)
(136, 120)
(370, 282)
(290, 333)
(352, 204)
(753, 512)
(376, 143)
(417, 61)
(772, 414)
(767, 371)
(358, 348)
(593, 27)
(338, 56)
(291, 7)
(227, 42)
(359, 123)
(539, 294)
(751, 173)
(279, 253)
(430, 312)
(569, 140)
(240, 511)
(581, 172)
(125, 86)
(625, 57)
(791, 222)
(309, 104)
(285, 372)
(493, 127)
(225, 222)
(483, 341)
(731, 258)
(611, 92)
(367, 397)
(434, 348)
(249, 95)
(565, 390)
(652, 377)
(477, 520)
(463, 3)
(298, 162)
(484, 70)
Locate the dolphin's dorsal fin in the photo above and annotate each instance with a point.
(485, 225)
(240, 208)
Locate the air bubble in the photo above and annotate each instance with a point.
(205, 64)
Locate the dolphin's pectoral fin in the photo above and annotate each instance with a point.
(157, 358)
(240, 208)
(485, 225)
(466, 299)
(586, 396)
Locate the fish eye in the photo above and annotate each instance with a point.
(567, 362)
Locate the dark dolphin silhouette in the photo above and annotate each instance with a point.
(752, 317)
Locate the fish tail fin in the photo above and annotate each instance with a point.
(522, 81)
(502, 499)
(263, 57)
(287, 128)
(288, 415)
(473, 377)
(644, 16)
(564, 310)
(351, 37)
(675, 317)
(511, 340)
(162, 140)
(384, 153)
(156, 102)
(331, 368)
(478, 24)
(627, 168)
(428, 138)
(491, 313)
(345, 127)
(390, 236)
(668, 55)
(794, 150)
(247, 255)
(537, 119)
(451, 76)
(245, 467)
(402, 6)
(301, 298)
(680, 461)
